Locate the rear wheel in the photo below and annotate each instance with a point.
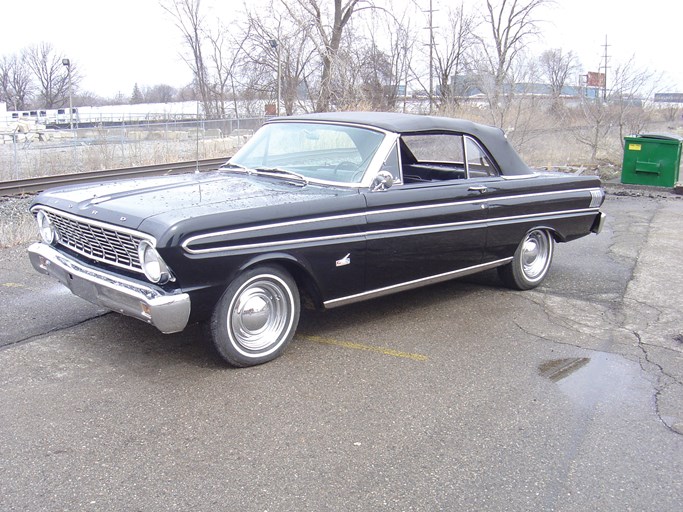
(531, 261)
(256, 317)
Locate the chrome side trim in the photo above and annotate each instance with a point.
(168, 312)
(416, 283)
(293, 241)
(380, 232)
(548, 193)
(545, 215)
(194, 239)
(495, 220)
(511, 177)
(275, 225)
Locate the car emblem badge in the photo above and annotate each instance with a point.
(346, 260)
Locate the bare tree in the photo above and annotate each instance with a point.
(52, 77)
(557, 67)
(297, 56)
(623, 112)
(511, 24)
(630, 86)
(670, 111)
(160, 93)
(16, 86)
(137, 96)
(329, 28)
(402, 39)
(376, 86)
(190, 21)
(450, 52)
(227, 47)
(364, 74)
(347, 79)
(597, 125)
(276, 39)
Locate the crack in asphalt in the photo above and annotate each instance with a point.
(660, 386)
(660, 383)
(33, 337)
(544, 338)
(616, 310)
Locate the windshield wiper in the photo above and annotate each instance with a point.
(236, 167)
(276, 171)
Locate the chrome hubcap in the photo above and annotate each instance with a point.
(536, 253)
(260, 315)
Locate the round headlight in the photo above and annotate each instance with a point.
(48, 232)
(152, 265)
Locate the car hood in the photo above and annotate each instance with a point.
(171, 199)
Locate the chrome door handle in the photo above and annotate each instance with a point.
(477, 188)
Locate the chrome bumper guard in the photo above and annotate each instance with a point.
(599, 223)
(167, 312)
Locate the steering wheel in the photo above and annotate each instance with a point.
(344, 165)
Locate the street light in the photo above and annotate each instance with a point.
(274, 44)
(67, 63)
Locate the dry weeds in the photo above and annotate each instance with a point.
(17, 226)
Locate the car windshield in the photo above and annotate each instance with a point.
(315, 151)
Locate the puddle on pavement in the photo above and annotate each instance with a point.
(604, 378)
(558, 369)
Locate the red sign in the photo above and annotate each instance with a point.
(595, 79)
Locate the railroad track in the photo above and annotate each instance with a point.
(31, 185)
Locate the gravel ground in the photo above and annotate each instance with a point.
(17, 226)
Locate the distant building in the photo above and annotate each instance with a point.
(469, 87)
(668, 97)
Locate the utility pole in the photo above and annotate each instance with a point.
(67, 64)
(405, 64)
(431, 11)
(275, 44)
(604, 87)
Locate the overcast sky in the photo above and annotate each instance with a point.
(117, 43)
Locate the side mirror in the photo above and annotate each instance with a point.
(383, 181)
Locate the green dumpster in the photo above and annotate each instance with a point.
(651, 160)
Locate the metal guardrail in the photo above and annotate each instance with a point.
(32, 185)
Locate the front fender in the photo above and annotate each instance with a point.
(299, 268)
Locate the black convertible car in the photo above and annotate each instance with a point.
(320, 209)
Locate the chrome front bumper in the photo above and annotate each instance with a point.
(167, 312)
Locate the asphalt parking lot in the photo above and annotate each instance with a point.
(460, 396)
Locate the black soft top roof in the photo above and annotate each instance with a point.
(492, 138)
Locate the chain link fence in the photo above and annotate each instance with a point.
(32, 151)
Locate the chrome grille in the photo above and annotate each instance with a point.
(98, 241)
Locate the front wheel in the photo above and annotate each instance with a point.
(256, 317)
(531, 261)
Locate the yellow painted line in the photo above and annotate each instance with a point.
(370, 348)
(12, 285)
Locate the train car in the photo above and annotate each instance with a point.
(106, 114)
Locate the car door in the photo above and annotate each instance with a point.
(431, 225)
